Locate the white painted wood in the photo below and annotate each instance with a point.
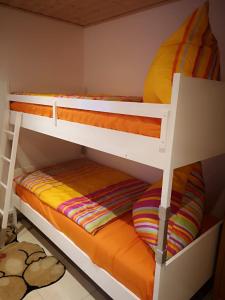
(130, 146)
(5, 158)
(164, 131)
(180, 277)
(3, 185)
(11, 211)
(7, 199)
(183, 275)
(4, 123)
(200, 120)
(185, 125)
(3, 141)
(167, 178)
(191, 131)
(54, 112)
(127, 108)
(109, 284)
(8, 132)
(195, 102)
(164, 214)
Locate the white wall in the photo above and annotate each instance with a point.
(40, 150)
(40, 54)
(117, 55)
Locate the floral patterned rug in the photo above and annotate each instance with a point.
(25, 267)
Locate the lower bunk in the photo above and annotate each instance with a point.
(115, 257)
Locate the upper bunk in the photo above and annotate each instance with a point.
(187, 130)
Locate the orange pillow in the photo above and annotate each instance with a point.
(191, 50)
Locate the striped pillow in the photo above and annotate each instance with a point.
(191, 50)
(187, 202)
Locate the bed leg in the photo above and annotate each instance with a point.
(2, 238)
(161, 251)
(14, 216)
(164, 214)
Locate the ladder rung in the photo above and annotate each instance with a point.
(5, 158)
(8, 132)
(3, 185)
(2, 211)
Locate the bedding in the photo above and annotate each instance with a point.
(187, 207)
(191, 50)
(117, 248)
(133, 124)
(89, 97)
(88, 193)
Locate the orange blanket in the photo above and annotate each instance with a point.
(88, 193)
(116, 248)
(133, 124)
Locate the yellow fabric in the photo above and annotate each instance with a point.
(191, 50)
(88, 193)
(57, 184)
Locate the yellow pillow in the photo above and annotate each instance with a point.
(191, 50)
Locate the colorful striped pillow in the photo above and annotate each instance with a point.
(187, 203)
(191, 50)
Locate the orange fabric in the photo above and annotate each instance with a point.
(133, 124)
(116, 248)
(191, 50)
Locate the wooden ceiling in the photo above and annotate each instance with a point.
(82, 12)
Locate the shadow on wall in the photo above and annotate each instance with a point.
(214, 174)
(38, 150)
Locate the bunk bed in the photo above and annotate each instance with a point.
(163, 136)
(178, 142)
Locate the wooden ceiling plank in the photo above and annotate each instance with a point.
(83, 13)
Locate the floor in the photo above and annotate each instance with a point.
(74, 285)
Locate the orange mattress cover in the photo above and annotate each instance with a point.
(115, 248)
(133, 124)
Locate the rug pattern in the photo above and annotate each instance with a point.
(25, 267)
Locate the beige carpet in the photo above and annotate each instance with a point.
(25, 267)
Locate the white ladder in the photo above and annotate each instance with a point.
(11, 161)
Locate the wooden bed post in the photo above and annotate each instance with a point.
(164, 209)
(185, 138)
(7, 183)
(164, 214)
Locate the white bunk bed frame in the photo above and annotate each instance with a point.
(191, 130)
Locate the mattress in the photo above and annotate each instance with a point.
(133, 124)
(89, 193)
(115, 248)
